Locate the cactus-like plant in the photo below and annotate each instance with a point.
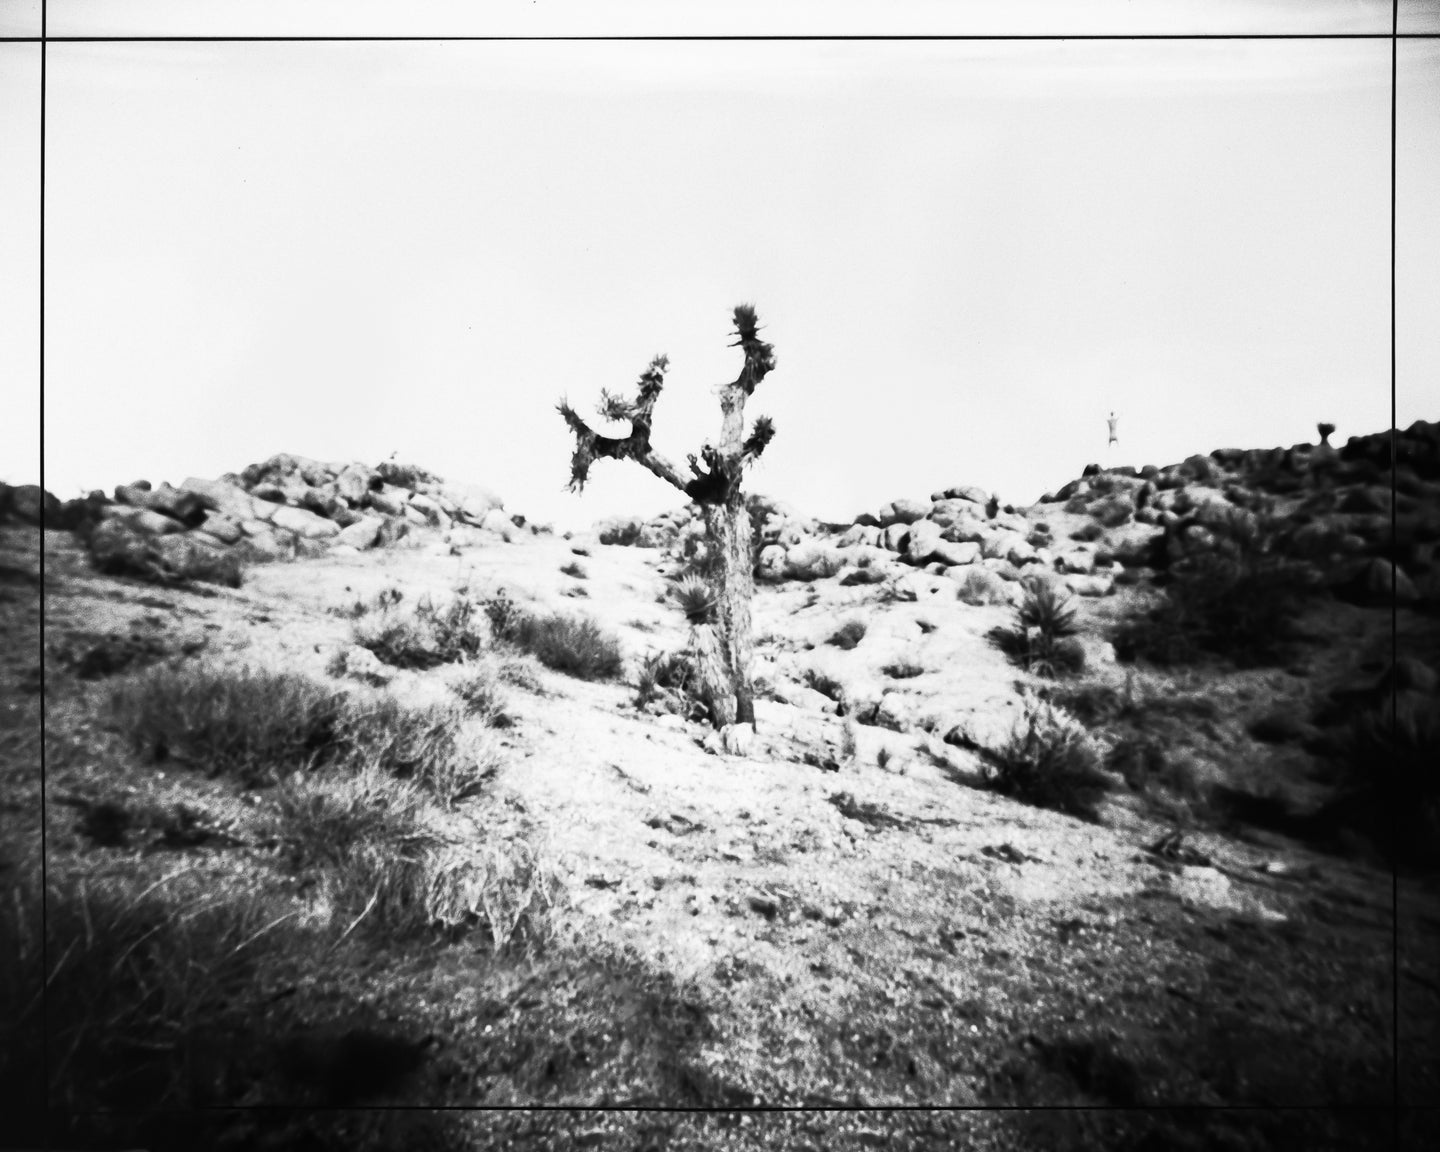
(714, 484)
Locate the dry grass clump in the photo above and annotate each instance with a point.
(257, 726)
(142, 978)
(480, 686)
(426, 744)
(575, 645)
(1049, 760)
(903, 670)
(248, 724)
(575, 569)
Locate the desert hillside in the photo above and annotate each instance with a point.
(377, 816)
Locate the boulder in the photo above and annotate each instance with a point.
(224, 527)
(181, 554)
(967, 530)
(304, 524)
(997, 545)
(1113, 510)
(267, 545)
(921, 542)
(1021, 552)
(903, 512)
(186, 507)
(894, 536)
(1001, 567)
(861, 534)
(471, 501)
(324, 500)
(355, 480)
(117, 548)
(418, 518)
(1092, 585)
(894, 711)
(389, 500)
(771, 565)
(428, 507)
(969, 492)
(200, 536)
(1081, 560)
(362, 534)
(143, 520)
(981, 586)
(951, 554)
(811, 561)
(496, 521)
(34, 505)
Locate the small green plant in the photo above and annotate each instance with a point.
(848, 634)
(575, 569)
(696, 599)
(1050, 761)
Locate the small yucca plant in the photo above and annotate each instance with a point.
(696, 599)
(1048, 610)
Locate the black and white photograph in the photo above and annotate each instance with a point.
(751, 576)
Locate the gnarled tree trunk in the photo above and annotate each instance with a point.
(716, 487)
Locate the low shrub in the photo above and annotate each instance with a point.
(575, 645)
(1087, 532)
(1388, 784)
(1234, 592)
(863, 576)
(903, 670)
(575, 569)
(848, 635)
(434, 634)
(1050, 761)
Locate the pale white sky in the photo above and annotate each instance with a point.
(965, 253)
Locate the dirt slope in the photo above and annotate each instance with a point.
(794, 926)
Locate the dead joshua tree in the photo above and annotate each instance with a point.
(724, 647)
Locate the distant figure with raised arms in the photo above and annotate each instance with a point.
(1112, 420)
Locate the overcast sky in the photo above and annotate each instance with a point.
(965, 253)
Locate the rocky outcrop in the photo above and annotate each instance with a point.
(285, 507)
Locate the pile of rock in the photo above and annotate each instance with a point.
(289, 506)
